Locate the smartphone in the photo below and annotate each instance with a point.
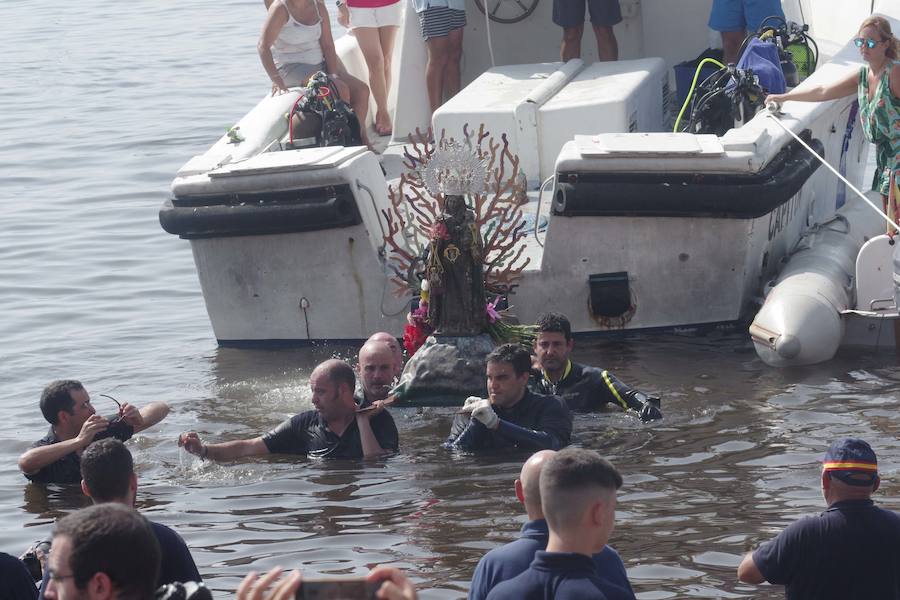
(344, 588)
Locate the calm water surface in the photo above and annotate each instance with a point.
(103, 102)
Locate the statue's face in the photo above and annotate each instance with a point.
(455, 204)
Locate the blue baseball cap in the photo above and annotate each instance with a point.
(852, 461)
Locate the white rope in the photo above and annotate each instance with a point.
(775, 118)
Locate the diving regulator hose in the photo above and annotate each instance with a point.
(690, 93)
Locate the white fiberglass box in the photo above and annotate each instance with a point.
(605, 97)
(497, 98)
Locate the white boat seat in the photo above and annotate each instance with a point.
(542, 106)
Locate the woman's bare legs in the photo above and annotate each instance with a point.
(387, 35)
(369, 42)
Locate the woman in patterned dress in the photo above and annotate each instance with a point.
(878, 88)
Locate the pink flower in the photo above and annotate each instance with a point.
(439, 232)
(491, 310)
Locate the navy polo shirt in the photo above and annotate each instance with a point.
(563, 575)
(850, 551)
(508, 561)
(177, 563)
(68, 468)
(308, 433)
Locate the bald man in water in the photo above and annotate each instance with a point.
(506, 562)
(394, 345)
(340, 426)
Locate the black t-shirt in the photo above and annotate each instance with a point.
(850, 551)
(586, 388)
(307, 433)
(15, 580)
(68, 468)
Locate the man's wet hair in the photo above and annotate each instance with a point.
(338, 371)
(106, 469)
(512, 354)
(57, 396)
(112, 539)
(552, 322)
(568, 481)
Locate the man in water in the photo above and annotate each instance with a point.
(340, 426)
(852, 550)
(394, 345)
(583, 388)
(506, 562)
(74, 424)
(103, 551)
(107, 475)
(578, 494)
(512, 416)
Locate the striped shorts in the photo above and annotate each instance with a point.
(438, 21)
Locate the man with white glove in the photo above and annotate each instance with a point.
(481, 410)
(512, 416)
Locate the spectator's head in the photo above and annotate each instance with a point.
(553, 342)
(394, 345)
(332, 384)
(508, 369)
(578, 494)
(104, 551)
(376, 370)
(879, 29)
(528, 489)
(107, 472)
(849, 470)
(66, 402)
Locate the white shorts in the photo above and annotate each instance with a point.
(383, 16)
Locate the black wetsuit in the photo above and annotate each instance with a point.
(535, 422)
(588, 388)
(308, 433)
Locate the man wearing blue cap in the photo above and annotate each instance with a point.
(852, 550)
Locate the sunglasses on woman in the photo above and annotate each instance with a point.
(869, 42)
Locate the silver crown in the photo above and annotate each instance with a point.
(454, 170)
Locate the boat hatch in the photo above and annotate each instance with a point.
(610, 294)
(289, 160)
(649, 144)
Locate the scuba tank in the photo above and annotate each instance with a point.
(791, 73)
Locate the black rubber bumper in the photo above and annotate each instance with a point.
(260, 213)
(724, 196)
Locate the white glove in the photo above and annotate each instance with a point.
(472, 402)
(484, 412)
